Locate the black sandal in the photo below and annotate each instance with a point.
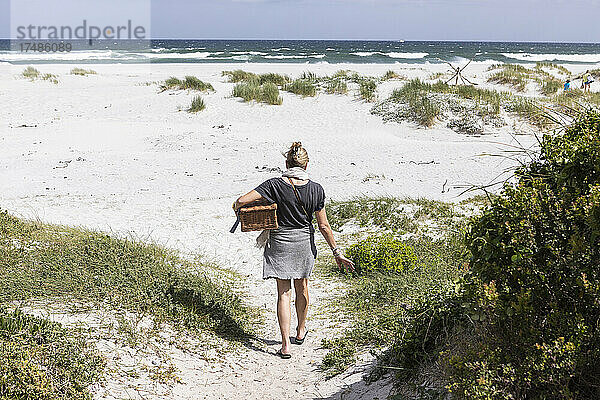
(300, 341)
(283, 355)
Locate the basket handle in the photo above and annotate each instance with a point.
(235, 225)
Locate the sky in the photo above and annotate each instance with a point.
(485, 20)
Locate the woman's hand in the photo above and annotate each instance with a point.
(343, 262)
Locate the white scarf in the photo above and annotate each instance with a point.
(296, 173)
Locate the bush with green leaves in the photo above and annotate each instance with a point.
(40, 359)
(382, 253)
(534, 284)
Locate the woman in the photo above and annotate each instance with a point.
(290, 251)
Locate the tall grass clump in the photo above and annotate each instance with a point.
(390, 75)
(188, 83)
(366, 89)
(276, 79)
(302, 87)
(30, 73)
(383, 253)
(40, 359)
(193, 83)
(239, 75)
(39, 261)
(196, 105)
(336, 86)
(560, 68)
(82, 72)
(511, 75)
(267, 93)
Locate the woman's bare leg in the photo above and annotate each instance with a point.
(284, 288)
(301, 286)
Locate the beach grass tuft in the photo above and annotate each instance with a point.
(31, 73)
(197, 105)
(336, 86)
(239, 75)
(188, 83)
(366, 89)
(82, 72)
(249, 91)
(302, 87)
(390, 75)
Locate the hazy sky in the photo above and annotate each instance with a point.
(508, 20)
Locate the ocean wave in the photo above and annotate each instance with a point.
(365, 53)
(251, 53)
(68, 56)
(583, 58)
(407, 55)
(194, 55)
(282, 49)
(283, 57)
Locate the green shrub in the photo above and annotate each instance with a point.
(197, 105)
(381, 254)
(366, 89)
(301, 87)
(40, 359)
(172, 83)
(534, 285)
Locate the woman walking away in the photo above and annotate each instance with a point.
(290, 251)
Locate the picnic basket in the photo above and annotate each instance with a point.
(258, 216)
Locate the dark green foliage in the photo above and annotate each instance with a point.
(45, 261)
(249, 77)
(534, 285)
(382, 254)
(39, 359)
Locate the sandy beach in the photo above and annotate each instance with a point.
(110, 152)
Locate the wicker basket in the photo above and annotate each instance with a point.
(258, 217)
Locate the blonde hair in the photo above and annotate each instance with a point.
(296, 156)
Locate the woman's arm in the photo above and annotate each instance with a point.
(248, 198)
(327, 233)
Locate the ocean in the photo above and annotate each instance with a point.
(304, 51)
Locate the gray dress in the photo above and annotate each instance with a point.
(290, 251)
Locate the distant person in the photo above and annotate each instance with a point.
(290, 251)
(587, 81)
(567, 85)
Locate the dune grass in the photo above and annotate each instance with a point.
(40, 359)
(375, 307)
(336, 86)
(239, 75)
(40, 261)
(302, 87)
(82, 72)
(560, 68)
(267, 93)
(32, 74)
(390, 75)
(513, 75)
(366, 89)
(188, 83)
(196, 105)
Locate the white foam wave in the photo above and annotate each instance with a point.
(251, 53)
(282, 49)
(583, 58)
(283, 57)
(407, 55)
